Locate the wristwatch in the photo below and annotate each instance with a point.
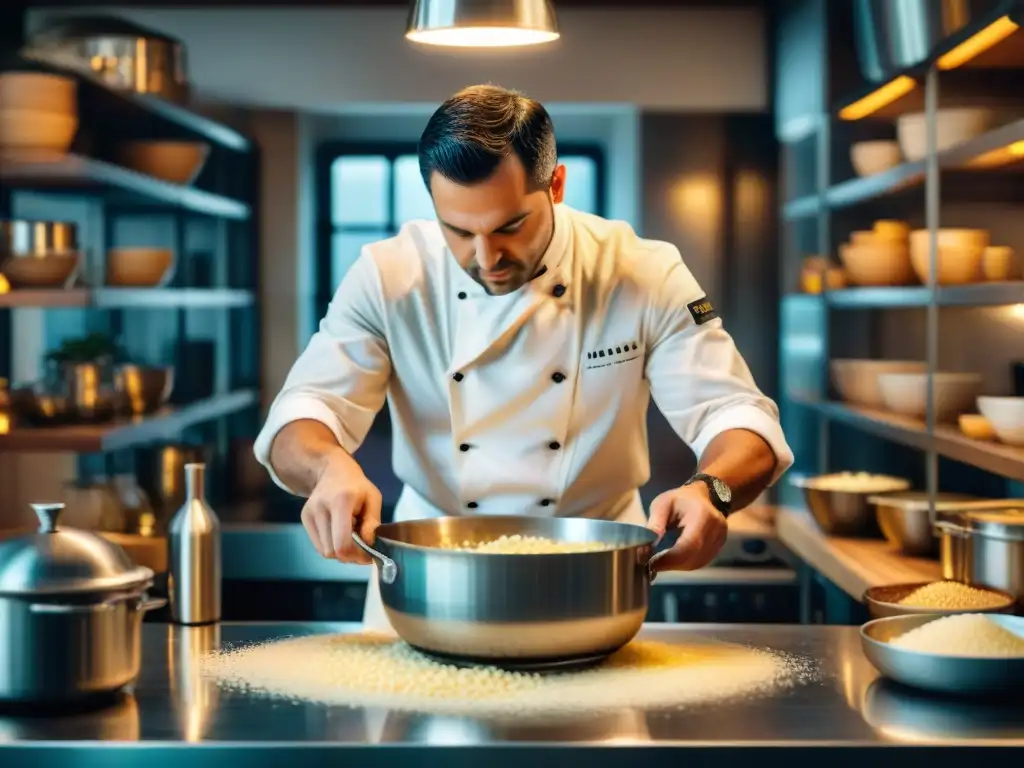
(720, 493)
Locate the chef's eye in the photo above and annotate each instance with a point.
(511, 228)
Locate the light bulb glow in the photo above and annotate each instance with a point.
(482, 37)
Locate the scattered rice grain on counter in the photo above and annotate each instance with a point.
(966, 634)
(531, 545)
(952, 596)
(375, 670)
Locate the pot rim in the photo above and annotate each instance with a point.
(1003, 525)
(399, 544)
(102, 589)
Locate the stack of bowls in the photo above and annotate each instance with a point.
(879, 256)
(38, 115)
(960, 253)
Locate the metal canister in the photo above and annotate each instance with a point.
(194, 555)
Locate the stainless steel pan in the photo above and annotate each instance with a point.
(532, 610)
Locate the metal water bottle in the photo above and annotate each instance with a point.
(194, 556)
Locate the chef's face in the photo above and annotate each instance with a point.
(498, 229)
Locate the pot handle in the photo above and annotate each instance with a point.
(148, 603)
(388, 567)
(652, 574)
(953, 530)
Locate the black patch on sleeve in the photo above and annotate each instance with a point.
(702, 310)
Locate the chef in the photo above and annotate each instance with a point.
(518, 343)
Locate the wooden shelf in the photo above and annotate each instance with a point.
(977, 295)
(125, 434)
(853, 565)
(128, 298)
(948, 441)
(75, 173)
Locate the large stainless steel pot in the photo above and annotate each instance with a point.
(124, 55)
(984, 548)
(514, 610)
(71, 608)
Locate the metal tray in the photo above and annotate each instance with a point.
(957, 675)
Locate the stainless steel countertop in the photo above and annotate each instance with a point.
(848, 712)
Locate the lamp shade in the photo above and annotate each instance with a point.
(481, 23)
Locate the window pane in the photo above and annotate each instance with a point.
(360, 185)
(412, 200)
(580, 182)
(345, 249)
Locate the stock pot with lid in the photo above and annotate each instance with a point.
(71, 608)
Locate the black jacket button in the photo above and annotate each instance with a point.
(559, 291)
(558, 378)
(462, 294)
(472, 505)
(554, 445)
(464, 447)
(458, 377)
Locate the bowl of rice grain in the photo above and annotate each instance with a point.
(970, 654)
(936, 598)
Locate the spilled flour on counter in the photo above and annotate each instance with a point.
(371, 670)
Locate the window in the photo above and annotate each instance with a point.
(366, 193)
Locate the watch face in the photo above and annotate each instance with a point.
(723, 491)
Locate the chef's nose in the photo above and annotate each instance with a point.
(487, 256)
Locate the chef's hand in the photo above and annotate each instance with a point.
(703, 527)
(342, 499)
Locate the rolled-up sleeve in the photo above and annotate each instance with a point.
(698, 378)
(341, 378)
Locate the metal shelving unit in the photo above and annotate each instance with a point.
(221, 203)
(817, 213)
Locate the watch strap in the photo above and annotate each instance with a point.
(722, 505)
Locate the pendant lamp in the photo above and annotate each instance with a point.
(481, 23)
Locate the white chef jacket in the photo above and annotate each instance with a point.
(531, 403)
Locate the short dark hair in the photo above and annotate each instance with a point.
(469, 135)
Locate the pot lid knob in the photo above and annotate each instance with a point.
(48, 515)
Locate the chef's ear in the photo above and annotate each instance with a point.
(558, 184)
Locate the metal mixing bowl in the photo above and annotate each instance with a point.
(956, 675)
(844, 512)
(523, 610)
(884, 601)
(145, 389)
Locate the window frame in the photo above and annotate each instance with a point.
(328, 152)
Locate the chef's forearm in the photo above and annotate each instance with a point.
(743, 460)
(301, 450)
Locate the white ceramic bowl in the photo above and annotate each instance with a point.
(960, 253)
(876, 261)
(857, 380)
(907, 394)
(871, 157)
(953, 126)
(1006, 414)
(23, 129)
